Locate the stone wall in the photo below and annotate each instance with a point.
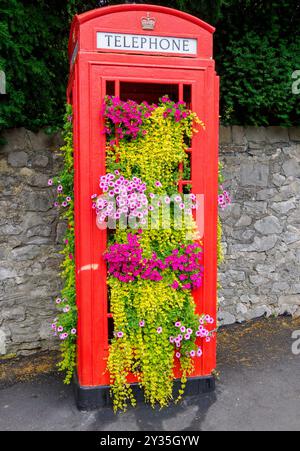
(30, 237)
(261, 275)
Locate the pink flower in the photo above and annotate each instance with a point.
(142, 324)
(60, 329)
(199, 352)
(178, 355)
(187, 337)
(69, 199)
(56, 204)
(64, 204)
(178, 324)
(159, 330)
(193, 353)
(183, 329)
(60, 189)
(158, 184)
(175, 286)
(120, 334)
(73, 331)
(58, 301)
(172, 340)
(50, 182)
(66, 309)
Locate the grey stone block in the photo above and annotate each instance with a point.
(269, 226)
(254, 174)
(18, 159)
(289, 300)
(291, 168)
(277, 135)
(225, 135)
(2, 342)
(239, 136)
(256, 134)
(294, 133)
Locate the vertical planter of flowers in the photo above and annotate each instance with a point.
(154, 256)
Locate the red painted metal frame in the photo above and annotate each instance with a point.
(88, 74)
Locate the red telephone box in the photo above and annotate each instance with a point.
(137, 52)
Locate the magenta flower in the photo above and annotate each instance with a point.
(60, 329)
(158, 184)
(178, 324)
(64, 204)
(187, 337)
(159, 330)
(60, 189)
(175, 285)
(142, 324)
(120, 334)
(193, 353)
(56, 204)
(178, 355)
(183, 329)
(190, 331)
(172, 340)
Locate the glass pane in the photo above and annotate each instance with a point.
(110, 329)
(149, 92)
(187, 95)
(111, 88)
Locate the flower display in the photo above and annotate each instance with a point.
(224, 199)
(152, 271)
(125, 119)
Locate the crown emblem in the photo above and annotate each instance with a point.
(148, 23)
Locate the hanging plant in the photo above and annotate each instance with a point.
(152, 270)
(65, 325)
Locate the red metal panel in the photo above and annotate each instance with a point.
(90, 70)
